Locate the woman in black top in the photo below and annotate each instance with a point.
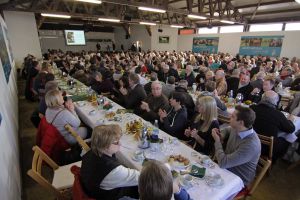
(205, 121)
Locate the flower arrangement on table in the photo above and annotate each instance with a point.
(107, 105)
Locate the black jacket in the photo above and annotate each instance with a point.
(175, 122)
(134, 98)
(245, 91)
(232, 84)
(270, 121)
(188, 103)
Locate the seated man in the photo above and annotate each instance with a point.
(270, 121)
(245, 88)
(155, 101)
(188, 102)
(243, 145)
(136, 95)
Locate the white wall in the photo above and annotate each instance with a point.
(167, 31)
(10, 181)
(230, 42)
(23, 35)
(58, 41)
(139, 33)
(120, 38)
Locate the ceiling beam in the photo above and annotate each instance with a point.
(264, 4)
(273, 12)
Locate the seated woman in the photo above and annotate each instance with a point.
(203, 124)
(175, 120)
(60, 112)
(102, 176)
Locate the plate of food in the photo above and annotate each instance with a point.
(123, 111)
(178, 161)
(110, 115)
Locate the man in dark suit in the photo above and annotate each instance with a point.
(166, 71)
(233, 81)
(136, 95)
(270, 121)
(245, 88)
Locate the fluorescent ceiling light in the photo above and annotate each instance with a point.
(227, 22)
(90, 1)
(108, 20)
(177, 26)
(196, 17)
(55, 15)
(152, 9)
(147, 23)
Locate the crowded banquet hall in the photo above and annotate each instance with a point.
(150, 100)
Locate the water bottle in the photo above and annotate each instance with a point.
(230, 97)
(155, 128)
(194, 87)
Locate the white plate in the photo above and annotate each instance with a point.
(92, 112)
(81, 103)
(214, 180)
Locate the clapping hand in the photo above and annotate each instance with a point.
(162, 114)
(123, 91)
(194, 133)
(216, 134)
(187, 132)
(291, 117)
(145, 106)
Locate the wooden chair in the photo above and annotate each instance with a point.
(224, 119)
(285, 101)
(106, 94)
(77, 190)
(80, 141)
(62, 179)
(262, 167)
(268, 141)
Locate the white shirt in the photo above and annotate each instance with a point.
(120, 177)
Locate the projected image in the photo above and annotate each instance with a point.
(74, 37)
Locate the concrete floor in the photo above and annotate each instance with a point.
(279, 185)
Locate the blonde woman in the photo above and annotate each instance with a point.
(59, 113)
(102, 176)
(203, 124)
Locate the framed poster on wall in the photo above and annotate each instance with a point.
(205, 44)
(164, 39)
(261, 45)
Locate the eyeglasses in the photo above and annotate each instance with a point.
(116, 142)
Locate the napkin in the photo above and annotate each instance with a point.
(198, 172)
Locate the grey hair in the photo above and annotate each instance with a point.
(95, 74)
(270, 99)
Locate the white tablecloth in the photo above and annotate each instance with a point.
(232, 183)
(291, 137)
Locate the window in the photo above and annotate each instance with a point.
(231, 29)
(208, 30)
(265, 27)
(292, 26)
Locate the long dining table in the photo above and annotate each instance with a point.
(199, 189)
